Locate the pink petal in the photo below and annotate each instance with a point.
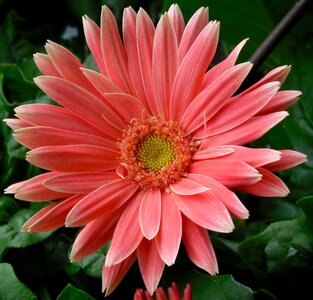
(281, 101)
(38, 136)
(242, 109)
(104, 200)
(251, 156)
(53, 116)
(127, 107)
(73, 158)
(169, 236)
(45, 65)
(226, 196)
(209, 101)
(185, 187)
(199, 247)
(246, 132)
(127, 235)
(214, 152)
(145, 36)
(68, 65)
(92, 35)
(206, 210)
(100, 82)
(193, 28)
(52, 216)
(16, 123)
(192, 68)
(223, 66)
(177, 19)
(34, 190)
(164, 63)
(93, 236)
(278, 74)
(82, 103)
(289, 159)
(150, 213)
(112, 276)
(269, 186)
(228, 172)
(150, 264)
(113, 51)
(130, 43)
(78, 183)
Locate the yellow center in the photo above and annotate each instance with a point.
(155, 152)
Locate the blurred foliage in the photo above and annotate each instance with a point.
(269, 256)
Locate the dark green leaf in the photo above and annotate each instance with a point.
(222, 287)
(70, 292)
(11, 236)
(11, 288)
(93, 264)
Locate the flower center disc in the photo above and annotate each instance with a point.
(154, 152)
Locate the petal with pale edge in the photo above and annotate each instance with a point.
(73, 158)
(113, 51)
(55, 117)
(245, 133)
(150, 264)
(192, 69)
(164, 63)
(229, 198)
(185, 187)
(269, 186)
(199, 247)
(206, 210)
(169, 236)
(78, 182)
(150, 213)
(127, 234)
(112, 276)
(210, 100)
(93, 236)
(228, 172)
(34, 190)
(52, 216)
(105, 199)
(289, 159)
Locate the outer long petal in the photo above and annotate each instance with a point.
(269, 186)
(54, 116)
(164, 63)
(199, 247)
(170, 233)
(52, 216)
(78, 182)
(206, 210)
(127, 235)
(73, 158)
(82, 103)
(150, 213)
(191, 70)
(112, 276)
(107, 198)
(93, 236)
(113, 51)
(150, 264)
(255, 127)
(289, 159)
(228, 172)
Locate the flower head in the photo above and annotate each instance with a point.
(148, 151)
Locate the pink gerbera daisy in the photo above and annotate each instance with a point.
(148, 151)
